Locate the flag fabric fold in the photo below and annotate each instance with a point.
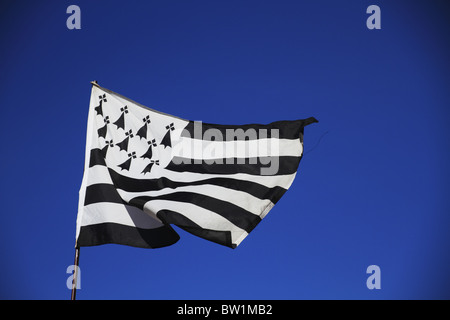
(146, 170)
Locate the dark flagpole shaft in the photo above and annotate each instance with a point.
(75, 273)
(77, 252)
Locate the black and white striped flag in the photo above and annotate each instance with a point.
(146, 170)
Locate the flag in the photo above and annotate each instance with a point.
(146, 170)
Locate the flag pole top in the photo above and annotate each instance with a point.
(94, 83)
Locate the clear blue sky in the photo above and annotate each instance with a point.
(373, 191)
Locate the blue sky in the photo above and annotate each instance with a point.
(373, 191)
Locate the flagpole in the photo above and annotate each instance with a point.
(77, 250)
(75, 273)
(94, 83)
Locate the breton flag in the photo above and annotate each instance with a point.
(146, 170)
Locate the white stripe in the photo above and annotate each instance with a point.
(105, 212)
(206, 219)
(239, 198)
(100, 174)
(268, 181)
(202, 149)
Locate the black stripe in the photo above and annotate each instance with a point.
(115, 233)
(233, 213)
(96, 158)
(286, 130)
(104, 233)
(102, 192)
(238, 216)
(172, 217)
(255, 189)
(254, 166)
